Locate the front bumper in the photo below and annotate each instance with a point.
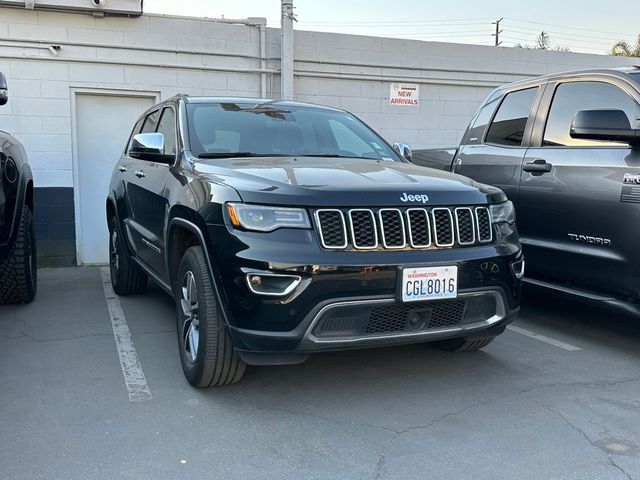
(272, 329)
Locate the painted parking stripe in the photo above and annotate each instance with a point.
(543, 338)
(134, 377)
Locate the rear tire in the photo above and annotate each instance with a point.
(463, 345)
(18, 272)
(127, 278)
(206, 351)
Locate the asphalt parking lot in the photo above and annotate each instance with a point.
(562, 406)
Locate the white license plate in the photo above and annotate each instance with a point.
(429, 283)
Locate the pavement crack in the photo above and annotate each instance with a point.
(603, 383)
(586, 437)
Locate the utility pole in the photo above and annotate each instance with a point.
(286, 50)
(498, 31)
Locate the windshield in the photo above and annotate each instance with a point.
(218, 130)
(636, 76)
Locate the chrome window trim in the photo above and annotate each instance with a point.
(480, 240)
(435, 227)
(473, 233)
(375, 228)
(428, 219)
(316, 215)
(404, 232)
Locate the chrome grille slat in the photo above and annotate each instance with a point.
(392, 228)
(465, 228)
(364, 233)
(332, 228)
(443, 227)
(399, 228)
(484, 228)
(419, 227)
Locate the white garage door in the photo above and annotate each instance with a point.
(103, 124)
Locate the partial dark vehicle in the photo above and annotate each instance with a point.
(283, 229)
(565, 148)
(18, 274)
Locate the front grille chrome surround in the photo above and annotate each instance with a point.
(320, 222)
(386, 216)
(362, 215)
(403, 228)
(484, 228)
(466, 234)
(415, 216)
(439, 232)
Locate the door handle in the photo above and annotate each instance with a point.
(537, 166)
(140, 174)
(122, 168)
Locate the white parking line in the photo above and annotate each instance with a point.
(543, 338)
(134, 377)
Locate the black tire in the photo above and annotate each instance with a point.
(463, 345)
(206, 351)
(127, 278)
(19, 271)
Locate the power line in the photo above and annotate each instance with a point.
(402, 22)
(568, 26)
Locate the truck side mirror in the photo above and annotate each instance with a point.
(610, 125)
(4, 96)
(404, 150)
(150, 146)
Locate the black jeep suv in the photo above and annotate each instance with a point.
(284, 229)
(17, 245)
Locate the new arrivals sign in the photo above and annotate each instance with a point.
(404, 94)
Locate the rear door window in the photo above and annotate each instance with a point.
(571, 97)
(510, 121)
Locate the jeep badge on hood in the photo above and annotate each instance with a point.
(414, 198)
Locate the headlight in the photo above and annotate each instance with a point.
(266, 219)
(503, 212)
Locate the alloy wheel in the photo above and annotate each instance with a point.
(190, 321)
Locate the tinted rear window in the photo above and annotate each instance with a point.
(508, 125)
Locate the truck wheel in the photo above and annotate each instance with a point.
(206, 350)
(127, 278)
(18, 272)
(463, 345)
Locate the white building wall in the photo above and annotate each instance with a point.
(202, 57)
(166, 55)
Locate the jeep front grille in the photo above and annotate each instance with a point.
(397, 228)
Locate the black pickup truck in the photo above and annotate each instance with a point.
(283, 229)
(17, 245)
(565, 148)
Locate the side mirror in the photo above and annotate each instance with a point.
(4, 96)
(403, 150)
(610, 125)
(150, 146)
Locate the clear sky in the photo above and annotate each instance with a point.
(579, 25)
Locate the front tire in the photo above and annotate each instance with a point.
(127, 278)
(18, 272)
(206, 351)
(463, 344)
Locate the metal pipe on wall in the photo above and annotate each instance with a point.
(286, 51)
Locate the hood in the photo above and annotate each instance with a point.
(343, 182)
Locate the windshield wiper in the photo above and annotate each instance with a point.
(335, 155)
(237, 154)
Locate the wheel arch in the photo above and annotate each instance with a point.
(186, 229)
